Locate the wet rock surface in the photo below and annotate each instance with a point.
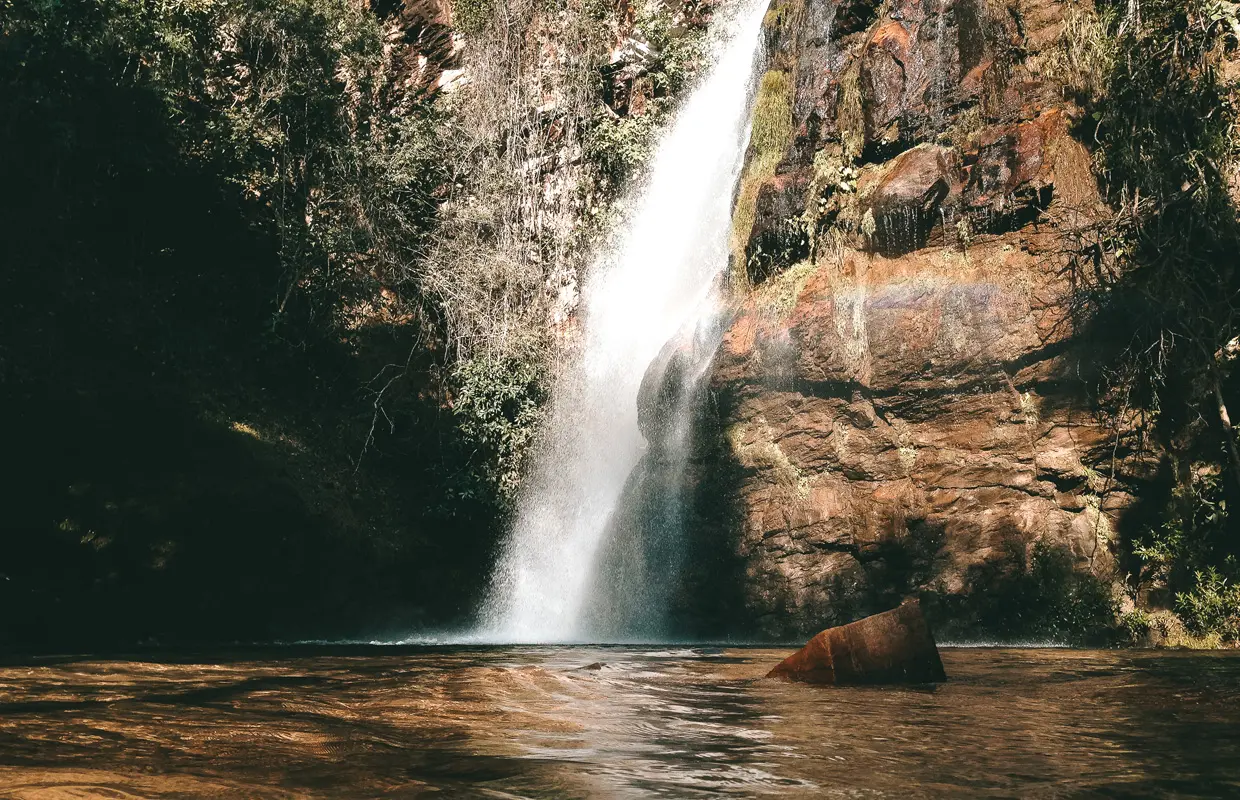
(900, 405)
(892, 647)
(906, 199)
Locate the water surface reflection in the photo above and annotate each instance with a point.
(614, 722)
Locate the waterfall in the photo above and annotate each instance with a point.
(659, 278)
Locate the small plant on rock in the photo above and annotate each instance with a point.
(1212, 607)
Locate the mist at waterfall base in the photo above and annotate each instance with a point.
(552, 582)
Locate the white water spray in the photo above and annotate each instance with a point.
(659, 279)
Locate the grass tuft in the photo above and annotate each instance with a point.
(768, 140)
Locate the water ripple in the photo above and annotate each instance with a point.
(615, 722)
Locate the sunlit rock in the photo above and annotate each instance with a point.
(901, 402)
(905, 198)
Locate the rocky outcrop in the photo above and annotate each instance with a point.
(904, 201)
(900, 403)
(892, 647)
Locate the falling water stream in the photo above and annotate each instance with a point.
(659, 278)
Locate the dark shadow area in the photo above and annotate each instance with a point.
(198, 445)
(774, 247)
(710, 601)
(1038, 594)
(900, 230)
(1155, 290)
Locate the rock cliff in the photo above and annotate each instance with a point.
(900, 402)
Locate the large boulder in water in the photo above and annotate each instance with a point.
(892, 647)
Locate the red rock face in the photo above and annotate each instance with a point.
(908, 196)
(921, 406)
(902, 411)
(892, 647)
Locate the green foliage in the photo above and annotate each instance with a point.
(1085, 55)
(1135, 625)
(1194, 526)
(1039, 596)
(850, 115)
(471, 16)
(1212, 606)
(209, 232)
(772, 114)
(778, 295)
(1167, 130)
(498, 405)
(1165, 122)
(1191, 554)
(770, 131)
(285, 101)
(620, 147)
(1158, 280)
(778, 16)
(680, 52)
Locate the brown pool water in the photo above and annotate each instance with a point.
(649, 722)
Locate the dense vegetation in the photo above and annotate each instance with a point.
(206, 285)
(274, 333)
(1157, 284)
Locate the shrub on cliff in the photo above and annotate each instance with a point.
(1158, 281)
(212, 206)
(498, 405)
(1212, 607)
(272, 114)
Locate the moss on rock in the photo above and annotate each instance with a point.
(768, 140)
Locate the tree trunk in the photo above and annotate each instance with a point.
(1228, 431)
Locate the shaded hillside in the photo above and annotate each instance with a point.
(279, 298)
(205, 290)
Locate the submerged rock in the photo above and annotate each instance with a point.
(892, 647)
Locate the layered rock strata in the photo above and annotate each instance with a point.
(900, 402)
